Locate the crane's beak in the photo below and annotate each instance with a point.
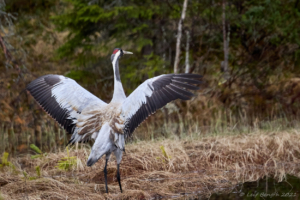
(127, 52)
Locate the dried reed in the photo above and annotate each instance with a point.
(160, 168)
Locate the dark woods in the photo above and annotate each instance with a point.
(258, 80)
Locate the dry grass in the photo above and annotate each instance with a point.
(167, 168)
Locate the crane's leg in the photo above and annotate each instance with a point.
(118, 176)
(105, 175)
(118, 153)
(105, 171)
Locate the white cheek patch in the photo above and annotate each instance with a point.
(116, 56)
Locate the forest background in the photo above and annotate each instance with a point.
(247, 51)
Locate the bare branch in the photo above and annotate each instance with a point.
(5, 50)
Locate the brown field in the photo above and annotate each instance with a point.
(168, 168)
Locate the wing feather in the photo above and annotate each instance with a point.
(155, 93)
(68, 103)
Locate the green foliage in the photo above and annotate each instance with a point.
(36, 156)
(40, 154)
(32, 177)
(165, 158)
(162, 148)
(14, 6)
(38, 171)
(80, 75)
(35, 148)
(144, 27)
(4, 160)
(25, 174)
(103, 25)
(67, 163)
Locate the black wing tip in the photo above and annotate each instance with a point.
(198, 82)
(195, 79)
(188, 80)
(33, 83)
(30, 86)
(187, 75)
(196, 88)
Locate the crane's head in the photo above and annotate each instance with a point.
(117, 53)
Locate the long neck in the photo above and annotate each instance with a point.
(119, 94)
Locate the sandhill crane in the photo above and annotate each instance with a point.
(86, 117)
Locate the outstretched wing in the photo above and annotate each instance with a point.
(155, 93)
(73, 107)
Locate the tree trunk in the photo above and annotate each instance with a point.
(164, 45)
(225, 42)
(187, 49)
(179, 33)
